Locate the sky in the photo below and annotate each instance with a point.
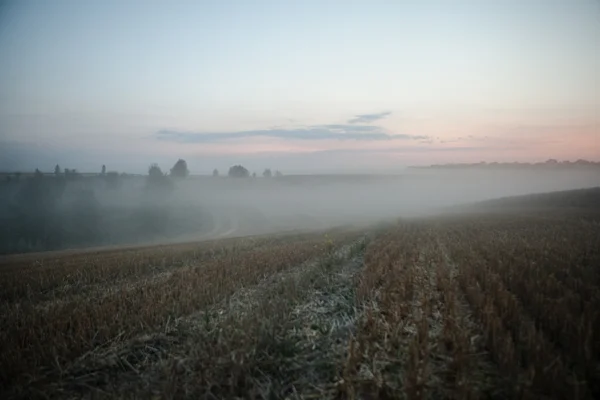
(303, 86)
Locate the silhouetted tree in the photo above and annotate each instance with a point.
(237, 171)
(157, 180)
(154, 171)
(267, 173)
(180, 169)
(103, 170)
(38, 174)
(215, 172)
(57, 170)
(254, 174)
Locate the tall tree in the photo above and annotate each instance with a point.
(215, 172)
(57, 170)
(103, 170)
(267, 173)
(180, 169)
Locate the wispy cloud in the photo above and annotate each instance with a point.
(314, 133)
(367, 118)
(420, 149)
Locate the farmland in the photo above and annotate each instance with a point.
(496, 301)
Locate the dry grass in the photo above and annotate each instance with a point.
(46, 276)
(466, 307)
(38, 341)
(485, 306)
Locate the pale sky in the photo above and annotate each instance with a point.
(301, 86)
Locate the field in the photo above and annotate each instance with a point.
(501, 302)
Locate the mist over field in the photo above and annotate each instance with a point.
(404, 200)
(321, 201)
(50, 212)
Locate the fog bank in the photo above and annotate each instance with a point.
(47, 213)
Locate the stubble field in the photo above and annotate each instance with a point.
(486, 305)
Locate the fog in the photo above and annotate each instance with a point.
(49, 213)
(323, 201)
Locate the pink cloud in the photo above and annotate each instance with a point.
(474, 142)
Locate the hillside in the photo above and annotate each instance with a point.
(496, 305)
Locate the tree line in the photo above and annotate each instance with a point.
(68, 209)
(179, 170)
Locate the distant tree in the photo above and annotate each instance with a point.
(57, 170)
(237, 171)
(278, 174)
(157, 180)
(38, 174)
(254, 174)
(154, 172)
(103, 170)
(215, 172)
(180, 169)
(267, 173)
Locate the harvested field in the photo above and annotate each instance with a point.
(479, 307)
(492, 305)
